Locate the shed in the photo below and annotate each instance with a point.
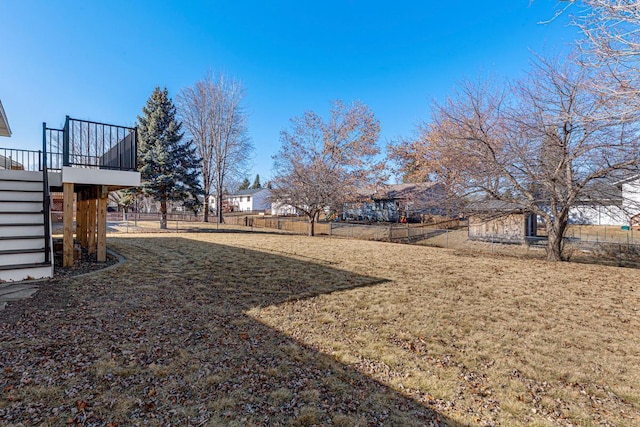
(500, 221)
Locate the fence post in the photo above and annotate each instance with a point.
(619, 255)
(330, 225)
(492, 243)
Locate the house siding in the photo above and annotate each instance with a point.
(598, 215)
(631, 199)
(246, 202)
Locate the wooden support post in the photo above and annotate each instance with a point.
(102, 224)
(91, 230)
(79, 222)
(85, 219)
(67, 237)
(81, 215)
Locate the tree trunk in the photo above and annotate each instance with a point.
(555, 243)
(219, 212)
(163, 215)
(312, 223)
(206, 208)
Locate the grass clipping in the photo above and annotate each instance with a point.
(250, 328)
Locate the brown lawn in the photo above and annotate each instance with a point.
(236, 328)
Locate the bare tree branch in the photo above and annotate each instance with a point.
(213, 115)
(322, 164)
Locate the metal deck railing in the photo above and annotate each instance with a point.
(88, 144)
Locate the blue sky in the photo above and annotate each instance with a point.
(101, 60)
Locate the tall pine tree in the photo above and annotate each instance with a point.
(244, 185)
(168, 165)
(256, 183)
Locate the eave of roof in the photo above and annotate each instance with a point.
(5, 130)
(498, 206)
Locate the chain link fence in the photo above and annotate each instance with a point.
(608, 245)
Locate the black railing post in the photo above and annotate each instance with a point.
(65, 143)
(135, 148)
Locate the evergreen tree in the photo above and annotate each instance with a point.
(168, 166)
(245, 184)
(256, 183)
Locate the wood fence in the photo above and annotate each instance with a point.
(382, 232)
(294, 225)
(300, 225)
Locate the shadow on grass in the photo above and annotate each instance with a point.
(165, 339)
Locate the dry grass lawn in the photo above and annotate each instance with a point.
(238, 328)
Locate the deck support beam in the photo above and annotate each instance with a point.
(67, 238)
(81, 218)
(102, 223)
(92, 213)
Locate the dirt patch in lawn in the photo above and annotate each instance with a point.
(261, 329)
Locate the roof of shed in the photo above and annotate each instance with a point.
(498, 206)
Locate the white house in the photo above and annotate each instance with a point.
(631, 199)
(250, 200)
(283, 209)
(597, 214)
(614, 205)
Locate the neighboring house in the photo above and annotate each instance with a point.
(251, 200)
(631, 199)
(283, 209)
(597, 214)
(6, 162)
(389, 202)
(498, 221)
(608, 203)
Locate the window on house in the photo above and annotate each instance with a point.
(248, 198)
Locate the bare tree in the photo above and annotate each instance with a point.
(322, 164)
(213, 115)
(611, 44)
(430, 157)
(611, 29)
(545, 143)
